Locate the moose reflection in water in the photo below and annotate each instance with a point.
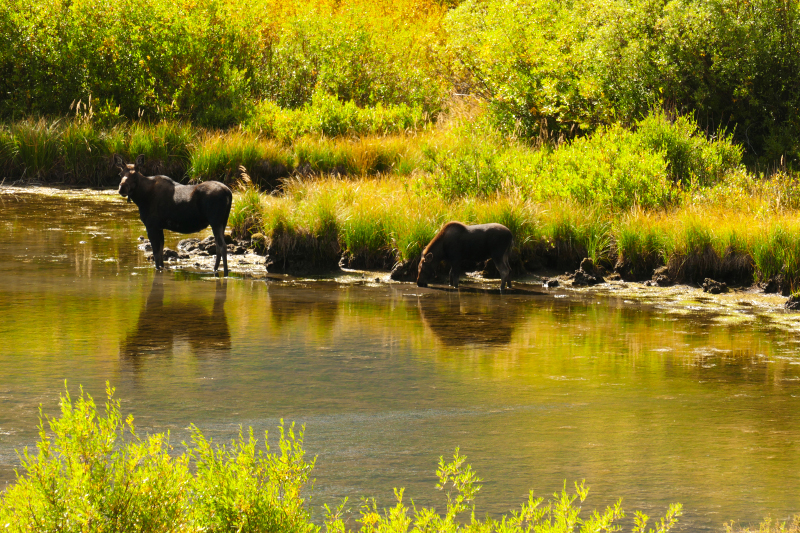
(466, 319)
(160, 324)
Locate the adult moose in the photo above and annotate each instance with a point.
(165, 204)
(456, 243)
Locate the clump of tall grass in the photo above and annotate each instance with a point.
(166, 146)
(85, 150)
(777, 251)
(8, 150)
(36, 147)
(362, 156)
(640, 242)
(365, 234)
(218, 155)
(247, 210)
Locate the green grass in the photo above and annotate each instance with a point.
(390, 215)
(616, 196)
(36, 147)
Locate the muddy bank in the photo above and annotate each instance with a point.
(304, 254)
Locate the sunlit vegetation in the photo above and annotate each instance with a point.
(640, 133)
(769, 525)
(93, 472)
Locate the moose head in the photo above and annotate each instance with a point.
(425, 269)
(130, 173)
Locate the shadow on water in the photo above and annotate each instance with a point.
(461, 320)
(161, 323)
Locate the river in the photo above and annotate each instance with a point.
(652, 395)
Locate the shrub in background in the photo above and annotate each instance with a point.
(571, 67)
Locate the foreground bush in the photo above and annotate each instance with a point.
(94, 473)
(769, 525)
(461, 485)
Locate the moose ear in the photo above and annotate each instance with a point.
(429, 256)
(139, 161)
(119, 162)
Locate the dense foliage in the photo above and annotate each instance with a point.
(567, 67)
(94, 473)
(212, 60)
(548, 69)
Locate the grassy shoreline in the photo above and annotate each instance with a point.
(367, 220)
(660, 194)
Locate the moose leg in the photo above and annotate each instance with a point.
(156, 237)
(222, 248)
(505, 270)
(455, 273)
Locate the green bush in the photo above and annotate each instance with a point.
(327, 115)
(93, 472)
(563, 68)
(691, 157)
(467, 161)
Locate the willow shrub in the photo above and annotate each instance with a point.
(572, 67)
(210, 61)
(561, 513)
(94, 472)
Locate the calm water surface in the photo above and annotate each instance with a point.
(687, 400)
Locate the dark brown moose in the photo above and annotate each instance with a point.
(457, 244)
(165, 204)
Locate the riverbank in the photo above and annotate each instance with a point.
(381, 224)
(658, 201)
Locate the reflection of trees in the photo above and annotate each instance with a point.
(460, 320)
(160, 324)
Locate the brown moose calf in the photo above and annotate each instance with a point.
(456, 243)
(165, 204)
